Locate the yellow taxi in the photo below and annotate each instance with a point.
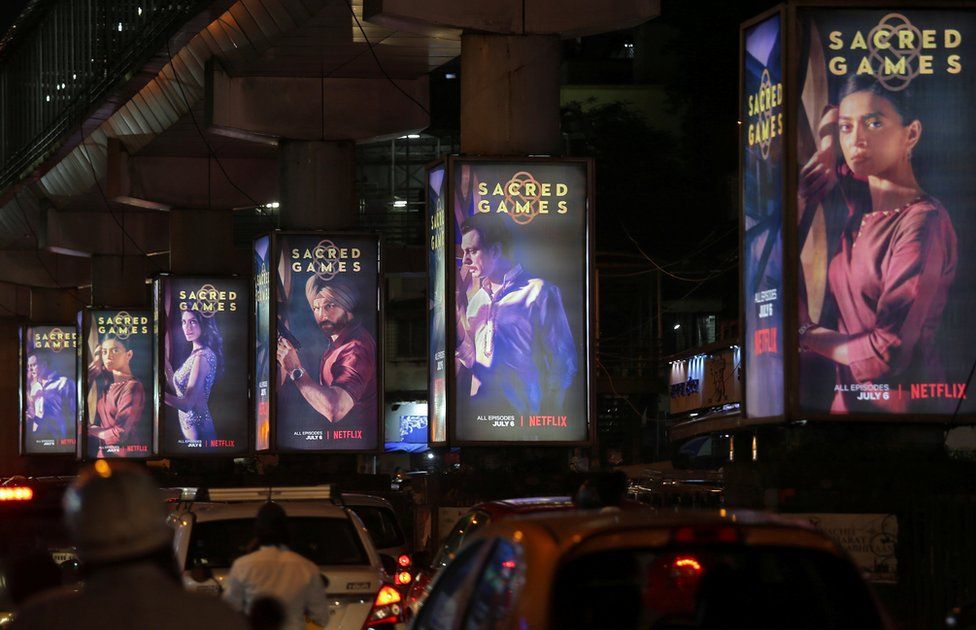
(622, 570)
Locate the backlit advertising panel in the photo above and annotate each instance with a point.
(886, 146)
(119, 381)
(48, 376)
(262, 344)
(203, 364)
(328, 374)
(520, 286)
(406, 427)
(436, 313)
(762, 217)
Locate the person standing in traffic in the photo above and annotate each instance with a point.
(116, 517)
(274, 571)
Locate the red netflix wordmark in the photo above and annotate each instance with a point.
(764, 341)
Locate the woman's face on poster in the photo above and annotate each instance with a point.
(191, 326)
(114, 356)
(873, 137)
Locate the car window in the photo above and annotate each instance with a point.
(381, 523)
(499, 584)
(23, 535)
(466, 525)
(324, 541)
(748, 587)
(446, 600)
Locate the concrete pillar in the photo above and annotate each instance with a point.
(317, 185)
(120, 280)
(10, 463)
(510, 94)
(202, 242)
(57, 305)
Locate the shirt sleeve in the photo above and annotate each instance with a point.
(922, 261)
(354, 369)
(559, 352)
(316, 604)
(234, 589)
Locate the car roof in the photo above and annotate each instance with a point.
(576, 528)
(529, 505)
(208, 511)
(355, 500)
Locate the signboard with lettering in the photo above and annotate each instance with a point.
(48, 392)
(517, 300)
(202, 362)
(870, 540)
(705, 380)
(324, 325)
(118, 383)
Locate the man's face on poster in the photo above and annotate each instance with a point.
(32, 368)
(479, 260)
(330, 317)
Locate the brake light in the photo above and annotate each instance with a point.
(16, 493)
(387, 608)
(687, 565)
(709, 534)
(403, 578)
(404, 561)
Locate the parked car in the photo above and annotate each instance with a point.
(648, 570)
(216, 526)
(381, 521)
(476, 518)
(31, 527)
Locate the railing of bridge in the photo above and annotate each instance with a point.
(67, 60)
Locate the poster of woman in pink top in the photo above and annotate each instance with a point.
(882, 177)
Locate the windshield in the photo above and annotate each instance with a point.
(747, 587)
(324, 541)
(381, 524)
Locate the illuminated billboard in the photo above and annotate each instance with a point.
(518, 293)
(885, 145)
(762, 217)
(118, 383)
(48, 393)
(406, 427)
(436, 296)
(262, 344)
(203, 325)
(327, 380)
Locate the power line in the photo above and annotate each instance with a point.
(213, 154)
(380, 65)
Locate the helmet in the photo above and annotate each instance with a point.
(114, 511)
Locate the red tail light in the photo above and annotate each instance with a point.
(403, 561)
(706, 535)
(403, 578)
(16, 493)
(387, 608)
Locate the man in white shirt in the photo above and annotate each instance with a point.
(274, 571)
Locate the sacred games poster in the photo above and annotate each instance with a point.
(328, 371)
(436, 313)
(262, 344)
(762, 217)
(118, 386)
(49, 403)
(520, 286)
(203, 365)
(886, 146)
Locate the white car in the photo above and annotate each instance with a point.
(216, 526)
